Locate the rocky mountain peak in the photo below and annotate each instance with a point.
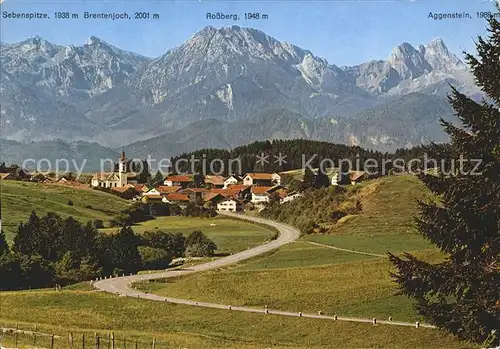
(93, 40)
(439, 57)
(37, 43)
(408, 61)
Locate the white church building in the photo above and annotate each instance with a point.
(114, 179)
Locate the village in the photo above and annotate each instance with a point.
(232, 193)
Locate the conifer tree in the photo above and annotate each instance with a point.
(4, 246)
(462, 293)
(308, 179)
(28, 236)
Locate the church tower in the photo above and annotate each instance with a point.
(122, 169)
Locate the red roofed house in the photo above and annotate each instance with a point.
(177, 198)
(231, 180)
(6, 176)
(141, 188)
(214, 181)
(154, 198)
(127, 192)
(262, 179)
(180, 180)
(357, 176)
(240, 192)
(214, 198)
(195, 193)
(165, 189)
(260, 195)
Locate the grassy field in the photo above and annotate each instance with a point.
(388, 206)
(229, 235)
(177, 326)
(20, 198)
(350, 285)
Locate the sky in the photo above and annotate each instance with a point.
(343, 32)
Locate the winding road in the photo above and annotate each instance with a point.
(123, 285)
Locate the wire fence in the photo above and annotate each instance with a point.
(25, 337)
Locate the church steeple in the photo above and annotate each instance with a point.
(122, 163)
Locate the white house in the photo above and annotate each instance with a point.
(262, 179)
(180, 180)
(151, 192)
(231, 180)
(290, 197)
(113, 179)
(230, 204)
(260, 195)
(335, 179)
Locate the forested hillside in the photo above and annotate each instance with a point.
(298, 152)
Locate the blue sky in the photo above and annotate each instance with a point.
(343, 32)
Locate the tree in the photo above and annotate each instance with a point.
(35, 271)
(199, 245)
(154, 258)
(10, 272)
(4, 246)
(198, 181)
(175, 243)
(343, 172)
(28, 236)
(70, 269)
(274, 199)
(157, 179)
(308, 179)
(461, 294)
(120, 251)
(141, 169)
(321, 180)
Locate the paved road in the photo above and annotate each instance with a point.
(122, 285)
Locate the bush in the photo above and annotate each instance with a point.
(174, 243)
(137, 213)
(193, 210)
(199, 245)
(154, 258)
(70, 203)
(98, 224)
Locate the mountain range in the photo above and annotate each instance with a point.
(223, 87)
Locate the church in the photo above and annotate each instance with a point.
(114, 179)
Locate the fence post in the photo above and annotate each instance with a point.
(83, 340)
(124, 342)
(34, 335)
(52, 342)
(71, 340)
(109, 341)
(17, 332)
(136, 343)
(112, 340)
(96, 341)
(154, 343)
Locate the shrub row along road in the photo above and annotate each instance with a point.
(123, 285)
